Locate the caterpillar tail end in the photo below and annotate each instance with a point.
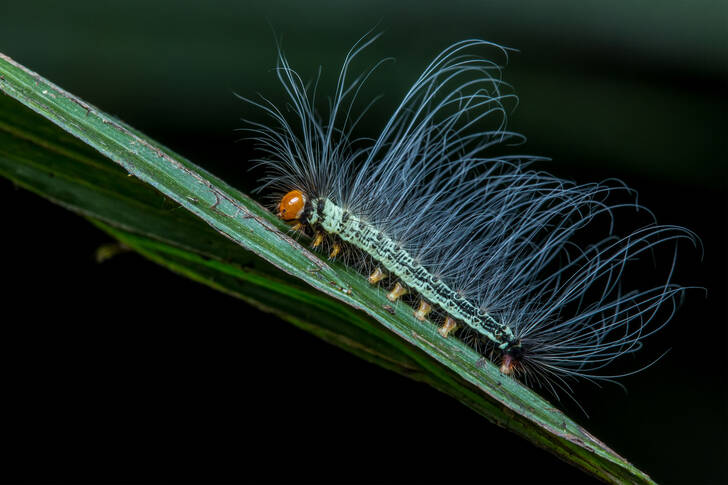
(422, 311)
(376, 276)
(448, 327)
(396, 292)
(508, 365)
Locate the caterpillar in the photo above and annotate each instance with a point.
(494, 249)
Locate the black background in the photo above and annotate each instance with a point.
(123, 371)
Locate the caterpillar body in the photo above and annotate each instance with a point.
(337, 221)
(506, 252)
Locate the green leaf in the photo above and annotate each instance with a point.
(108, 176)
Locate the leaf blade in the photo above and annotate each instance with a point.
(84, 187)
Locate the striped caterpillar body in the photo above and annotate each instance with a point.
(503, 251)
(383, 249)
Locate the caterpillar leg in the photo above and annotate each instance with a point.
(396, 292)
(377, 276)
(297, 226)
(507, 365)
(317, 239)
(422, 311)
(335, 251)
(448, 327)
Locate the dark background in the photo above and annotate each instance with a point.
(119, 371)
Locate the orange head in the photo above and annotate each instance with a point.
(292, 205)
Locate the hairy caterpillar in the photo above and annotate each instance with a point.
(503, 251)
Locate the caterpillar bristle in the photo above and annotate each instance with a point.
(530, 266)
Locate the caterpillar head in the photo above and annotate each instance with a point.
(292, 206)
